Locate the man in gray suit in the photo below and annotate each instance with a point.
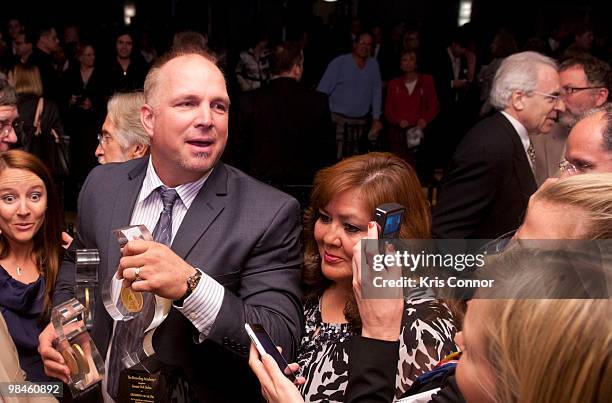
(234, 253)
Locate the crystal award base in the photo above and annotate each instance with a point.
(76, 346)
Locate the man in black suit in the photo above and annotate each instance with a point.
(491, 177)
(284, 130)
(41, 57)
(234, 254)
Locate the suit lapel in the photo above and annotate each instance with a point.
(522, 169)
(207, 205)
(122, 210)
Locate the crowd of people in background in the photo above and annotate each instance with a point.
(515, 141)
(387, 92)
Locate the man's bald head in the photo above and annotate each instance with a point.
(152, 79)
(589, 144)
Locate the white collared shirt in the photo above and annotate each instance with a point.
(522, 132)
(203, 305)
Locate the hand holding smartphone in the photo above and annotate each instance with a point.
(265, 345)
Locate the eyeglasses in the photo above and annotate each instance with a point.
(569, 169)
(554, 97)
(5, 126)
(567, 90)
(104, 138)
(499, 244)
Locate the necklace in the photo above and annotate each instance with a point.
(18, 271)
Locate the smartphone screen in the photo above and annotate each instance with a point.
(264, 344)
(393, 223)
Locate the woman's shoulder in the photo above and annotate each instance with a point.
(425, 78)
(396, 82)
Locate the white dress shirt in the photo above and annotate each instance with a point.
(522, 132)
(203, 305)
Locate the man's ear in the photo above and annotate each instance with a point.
(602, 97)
(296, 72)
(147, 118)
(139, 150)
(517, 100)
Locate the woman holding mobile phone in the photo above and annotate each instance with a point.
(341, 212)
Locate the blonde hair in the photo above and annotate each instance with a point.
(27, 79)
(591, 193)
(124, 115)
(549, 351)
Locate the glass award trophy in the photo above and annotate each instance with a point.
(140, 380)
(76, 346)
(123, 303)
(86, 279)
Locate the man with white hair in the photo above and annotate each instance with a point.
(491, 174)
(123, 138)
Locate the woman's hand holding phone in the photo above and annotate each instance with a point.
(381, 318)
(275, 386)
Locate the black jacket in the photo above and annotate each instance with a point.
(283, 133)
(488, 185)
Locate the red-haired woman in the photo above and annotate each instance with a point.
(30, 250)
(343, 201)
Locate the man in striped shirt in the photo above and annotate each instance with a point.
(234, 254)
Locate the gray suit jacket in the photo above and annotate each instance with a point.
(242, 233)
(549, 149)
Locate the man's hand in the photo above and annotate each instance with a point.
(459, 83)
(66, 240)
(151, 266)
(421, 123)
(376, 126)
(53, 361)
(404, 124)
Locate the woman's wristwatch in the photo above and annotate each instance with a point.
(192, 283)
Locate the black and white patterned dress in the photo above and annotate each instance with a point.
(427, 336)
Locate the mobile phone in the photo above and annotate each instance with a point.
(389, 217)
(265, 345)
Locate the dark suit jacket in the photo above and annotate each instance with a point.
(284, 133)
(48, 74)
(441, 69)
(372, 370)
(488, 185)
(239, 231)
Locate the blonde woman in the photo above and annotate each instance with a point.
(42, 126)
(575, 207)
